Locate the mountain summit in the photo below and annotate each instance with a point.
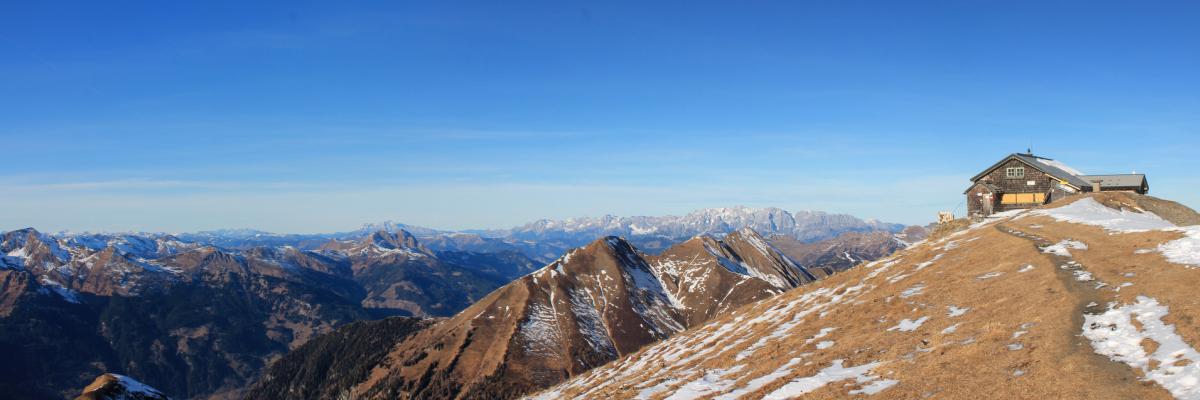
(1088, 298)
(592, 305)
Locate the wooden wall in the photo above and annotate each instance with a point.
(1035, 181)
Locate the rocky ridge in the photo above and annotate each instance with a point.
(1082, 299)
(592, 305)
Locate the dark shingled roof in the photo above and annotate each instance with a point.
(993, 188)
(1037, 162)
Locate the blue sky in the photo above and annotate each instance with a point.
(318, 117)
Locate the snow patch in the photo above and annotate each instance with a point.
(712, 382)
(591, 323)
(133, 387)
(67, 294)
(742, 268)
(989, 275)
(18, 253)
(955, 311)
(1060, 165)
(834, 373)
(1113, 334)
(1186, 250)
(758, 383)
(9, 262)
(1090, 212)
(907, 325)
(1062, 248)
(653, 390)
(540, 332)
(912, 291)
(1013, 214)
(638, 230)
(820, 334)
(897, 278)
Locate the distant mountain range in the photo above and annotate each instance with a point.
(201, 315)
(544, 240)
(804, 225)
(196, 320)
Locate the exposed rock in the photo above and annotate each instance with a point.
(119, 387)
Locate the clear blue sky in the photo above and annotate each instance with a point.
(302, 118)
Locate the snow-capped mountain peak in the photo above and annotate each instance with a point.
(591, 305)
(805, 225)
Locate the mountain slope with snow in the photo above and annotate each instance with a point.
(841, 252)
(1084, 299)
(709, 276)
(399, 273)
(592, 305)
(543, 240)
(198, 321)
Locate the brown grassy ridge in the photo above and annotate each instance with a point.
(1020, 337)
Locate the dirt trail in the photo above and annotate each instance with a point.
(1088, 300)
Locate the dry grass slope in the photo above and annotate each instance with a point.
(1015, 307)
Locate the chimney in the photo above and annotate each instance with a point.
(1096, 186)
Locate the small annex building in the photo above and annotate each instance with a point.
(1023, 180)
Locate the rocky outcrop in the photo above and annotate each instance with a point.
(119, 387)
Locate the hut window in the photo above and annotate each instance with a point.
(1023, 198)
(1015, 172)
